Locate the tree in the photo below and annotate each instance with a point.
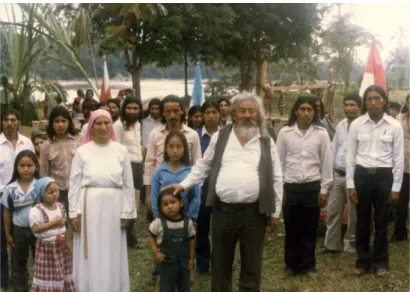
(399, 58)
(340, 40)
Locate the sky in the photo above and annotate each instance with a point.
(381, 19)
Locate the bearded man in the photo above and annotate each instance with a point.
(245, 191)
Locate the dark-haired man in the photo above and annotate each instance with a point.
(374, 149)
(114, 106)
(225, 112)
(394, 108)
(338, 197)
(152, 121)
(305, 153)
(11, 143)
(128, 131)
(57, 152)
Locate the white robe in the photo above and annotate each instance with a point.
(106, 170)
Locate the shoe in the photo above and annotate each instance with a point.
(380, 273)
(325, 250)
(360, 272)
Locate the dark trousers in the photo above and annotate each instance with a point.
(4, 266)
(24, 240)
(400, 228)
(373, 191)
(63, 198)
(203, 246)
(230, 223)
(301, 214)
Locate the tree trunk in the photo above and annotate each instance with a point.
(186, 71)
(136, 80)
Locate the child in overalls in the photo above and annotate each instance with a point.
(172, 239)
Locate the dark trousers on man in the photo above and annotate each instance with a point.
(230, 223)
(400, 228)
(4, 266)
(373, 187)
(203, 246)
(301, 215)
(24, 240)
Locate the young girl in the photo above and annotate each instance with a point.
(52, 265)
(173, 171)
(18, 198)
(172, 239)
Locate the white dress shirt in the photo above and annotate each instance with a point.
(130, 138)
(8, 154)
(147, 125)
(306, 158)
(238, 179)
(339, 145)
(375, 145)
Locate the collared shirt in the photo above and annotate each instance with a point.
(56, 156)
(164, 176)
(147, 125)
(339, 145)
(130, 138)
(155, 150)
(375, 145)
(306, 158)
(205, 138)
(8, 154)
(22, 202)
(238, 179)
(402, 118)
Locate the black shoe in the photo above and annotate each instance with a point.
(325, 250)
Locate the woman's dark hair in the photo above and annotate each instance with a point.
(181, 136)
(114, 101)
(60, 111)
(380, 91)
(171, 98)
(123, 114)
(353, 97)
(405, 108)
(25, 153)
(322, 107)
(192, 111)
(164, 193)
(80, 93)
(311, 100)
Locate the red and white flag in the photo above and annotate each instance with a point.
(374, 73)
(105, 88)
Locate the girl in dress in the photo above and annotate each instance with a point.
(53, 264)
(18, 198)
(173, 171)
(172, 240)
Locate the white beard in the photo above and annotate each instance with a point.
(246, 132)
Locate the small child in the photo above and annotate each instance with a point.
(172, 240)
(53, 264)
(18, 198)
(173, 171)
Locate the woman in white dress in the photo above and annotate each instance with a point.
(101, 200)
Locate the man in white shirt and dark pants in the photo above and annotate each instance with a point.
(338, 196)
(374, 149)
(11, 143)
(245, 191)
(305, 153)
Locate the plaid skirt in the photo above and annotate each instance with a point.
(52, 268)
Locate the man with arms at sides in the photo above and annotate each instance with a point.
(152, 121)
(374, 149)
(245, 191)
(339, 197)
(128, 132)
(305, 153)
(57, 152)
(11, 143)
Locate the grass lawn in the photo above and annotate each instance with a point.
(334, 271)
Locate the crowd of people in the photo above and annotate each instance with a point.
(71, 195)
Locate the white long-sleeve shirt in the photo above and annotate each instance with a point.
(306, 158)
(339, 145)
(375, 145)
(238, 179)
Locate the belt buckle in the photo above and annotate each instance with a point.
(372, 170)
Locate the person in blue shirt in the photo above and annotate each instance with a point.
(173, 171)
(211, 117)
(18, 198)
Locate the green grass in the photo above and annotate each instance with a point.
(334, 272)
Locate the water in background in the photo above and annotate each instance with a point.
(149, 88)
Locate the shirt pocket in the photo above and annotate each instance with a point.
(53, 155)
(386, 143)
(363, 141)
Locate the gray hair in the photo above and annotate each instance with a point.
(237, 99)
